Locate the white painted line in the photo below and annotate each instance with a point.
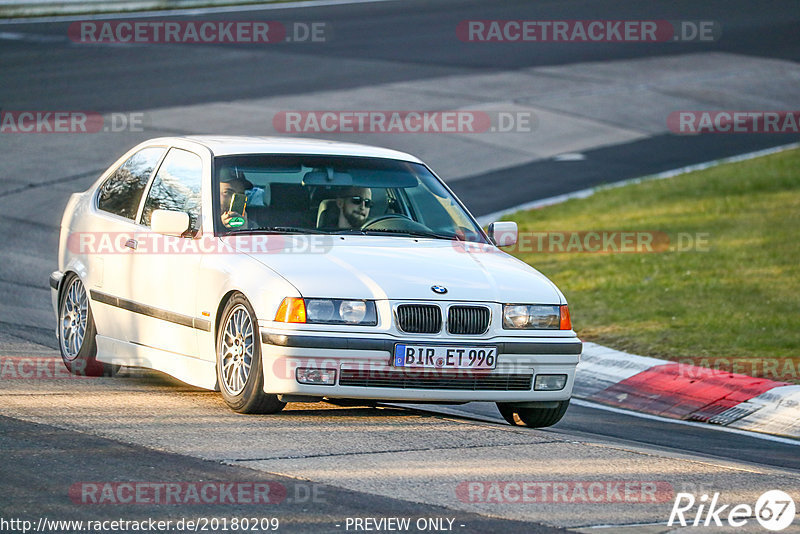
(757, 435)
(31, 37)
(189, 11)
(621, 525)
(583, 193)
(448, 410)
(570, 156)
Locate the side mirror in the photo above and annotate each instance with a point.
(503, 234)
(169, 222)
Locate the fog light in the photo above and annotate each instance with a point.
(318, 377)
(550, 382)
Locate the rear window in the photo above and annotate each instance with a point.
(122, 192)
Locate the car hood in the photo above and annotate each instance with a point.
(401, 268)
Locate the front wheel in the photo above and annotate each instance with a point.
(239, 367)
(533, 417)
(76, 331)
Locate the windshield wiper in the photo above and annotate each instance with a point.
(281, 230)
(348, 231)
(413, 233)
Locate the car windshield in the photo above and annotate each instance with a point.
(336, 195)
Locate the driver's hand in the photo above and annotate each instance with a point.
(228, 215)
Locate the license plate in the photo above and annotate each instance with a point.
(445, 356)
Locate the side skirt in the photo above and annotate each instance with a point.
(193, 371)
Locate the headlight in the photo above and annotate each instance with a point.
(319, 310)
(327, 311)
(353, 311)
(535, 317)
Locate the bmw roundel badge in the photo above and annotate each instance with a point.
(439, 289)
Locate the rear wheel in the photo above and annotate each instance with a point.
(533, 417)
(239, 367)
(76, 331)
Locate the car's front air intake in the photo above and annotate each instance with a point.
(435, 379)
(419, 318)
(468, 320)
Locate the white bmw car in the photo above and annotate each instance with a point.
(293, 270)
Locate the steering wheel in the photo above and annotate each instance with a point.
(386, 217)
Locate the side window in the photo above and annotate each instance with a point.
(121, 192)
(176, 187)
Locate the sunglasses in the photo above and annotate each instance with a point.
(361, 200)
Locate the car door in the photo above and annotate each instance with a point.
(103, 242)
(165, 268)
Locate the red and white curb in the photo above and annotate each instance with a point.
(687, 392)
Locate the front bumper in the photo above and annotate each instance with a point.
(364, 369)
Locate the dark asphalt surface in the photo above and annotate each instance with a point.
(490, 192)
(372, 44)
(44, 468)
(630, 430)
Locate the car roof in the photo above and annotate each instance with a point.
(227, 145)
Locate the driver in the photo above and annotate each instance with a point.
(230, 182)
(354, 205)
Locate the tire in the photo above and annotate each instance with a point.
(239, 368)
(76, 331)
(533, 417)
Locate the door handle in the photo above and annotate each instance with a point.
(131, 243)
